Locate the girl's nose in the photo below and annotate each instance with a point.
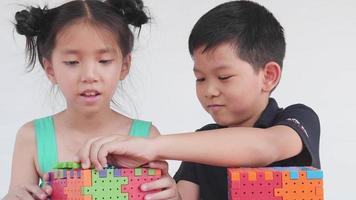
(89, 73)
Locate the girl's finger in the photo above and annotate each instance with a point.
(162, 183)
(24, 195)
(162, 195)
(162, 165)
(36, 192)
(47, 189)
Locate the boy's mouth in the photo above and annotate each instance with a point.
(215, 107)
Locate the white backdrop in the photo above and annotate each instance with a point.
(319, 71)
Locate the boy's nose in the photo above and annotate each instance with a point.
(211, 91)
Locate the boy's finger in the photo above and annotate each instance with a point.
(164, 182)
(93, 155)
(108, 148)
(100, 161)
(84, 154)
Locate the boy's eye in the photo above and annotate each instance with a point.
(74, 62)
(225, 77)
(105, 61)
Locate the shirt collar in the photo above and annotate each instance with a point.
(268, 115)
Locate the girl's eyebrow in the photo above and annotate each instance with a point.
(70, 51)
(99, 51)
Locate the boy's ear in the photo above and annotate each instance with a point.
(126, 64)
(48, 67)
(271, 75)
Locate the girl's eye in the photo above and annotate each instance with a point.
(105, 61)
(200, 79)
(225, 77)
(71, 62)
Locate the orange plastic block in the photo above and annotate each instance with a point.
(275, 183)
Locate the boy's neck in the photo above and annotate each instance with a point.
(251, 121)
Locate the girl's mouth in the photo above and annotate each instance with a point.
(90, 96)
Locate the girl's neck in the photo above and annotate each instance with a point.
(87, 122)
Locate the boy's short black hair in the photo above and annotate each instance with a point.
(249, 27)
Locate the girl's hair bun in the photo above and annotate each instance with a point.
(29, 21)
(131, 10)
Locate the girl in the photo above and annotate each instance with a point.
(85, 47)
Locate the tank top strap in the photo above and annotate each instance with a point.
(140, 128)
(47, 152)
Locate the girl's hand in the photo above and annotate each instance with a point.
(166, 183)
(118, 150)
(29, 192)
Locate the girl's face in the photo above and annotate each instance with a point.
(87, 65)
(228, 88)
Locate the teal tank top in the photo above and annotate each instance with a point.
(47, 152)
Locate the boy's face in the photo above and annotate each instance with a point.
(228, 88)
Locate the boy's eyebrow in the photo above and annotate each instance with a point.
(195, 69)
(219, 68)
(106, 50)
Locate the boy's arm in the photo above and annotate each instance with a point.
(238, 146)
(296, 129)
(228, 147)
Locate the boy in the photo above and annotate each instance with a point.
(238, 50)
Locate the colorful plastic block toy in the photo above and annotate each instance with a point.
(275, 183)
(69, 182)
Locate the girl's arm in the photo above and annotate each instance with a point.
(24, 176)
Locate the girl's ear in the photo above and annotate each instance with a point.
(49, 71)
(271, 75)
(126, 64)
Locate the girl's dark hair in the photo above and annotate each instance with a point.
(41, 25)
(249, 27)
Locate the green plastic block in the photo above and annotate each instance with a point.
(151, 172)
(138, 172)
(68, 165)
(102, 188)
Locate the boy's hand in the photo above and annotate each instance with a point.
(166, 183)
(118, 150)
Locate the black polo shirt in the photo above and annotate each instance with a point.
(212, 180)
